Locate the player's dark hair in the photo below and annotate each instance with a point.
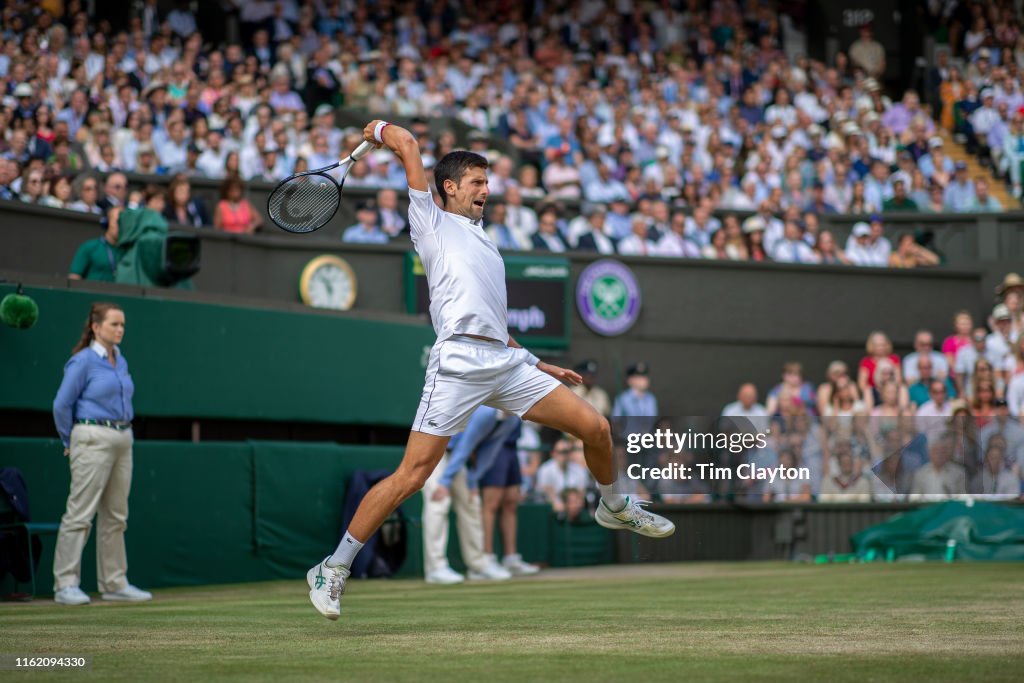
(453, 166)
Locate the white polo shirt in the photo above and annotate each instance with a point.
(465, 272)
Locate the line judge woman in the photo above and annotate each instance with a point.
(93, 414)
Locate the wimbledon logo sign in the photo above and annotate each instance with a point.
(608, 297)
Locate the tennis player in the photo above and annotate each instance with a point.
(474, 360)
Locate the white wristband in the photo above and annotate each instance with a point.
(378, 129)
(530, 358)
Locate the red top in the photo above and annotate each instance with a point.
(234, 219)
(869, 363)
(953, 344)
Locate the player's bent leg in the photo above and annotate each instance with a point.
(422, 453)
(327, 580)
(565, 411)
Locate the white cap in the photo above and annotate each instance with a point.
(861, 229)
(754, 224)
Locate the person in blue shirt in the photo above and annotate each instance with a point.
(498, 474)
(453, 483)
(367, 230)
(959, 193)
(93, 414)
(637, 405)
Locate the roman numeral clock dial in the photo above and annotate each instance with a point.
(328, 281)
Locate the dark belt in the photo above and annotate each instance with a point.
(119, 425)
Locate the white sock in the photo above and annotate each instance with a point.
(346, 552)
(613, 500)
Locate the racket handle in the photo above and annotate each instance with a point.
(362, 150)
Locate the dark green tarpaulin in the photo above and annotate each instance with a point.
(140, 246)
(982, 531)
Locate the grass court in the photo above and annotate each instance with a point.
(682, 622)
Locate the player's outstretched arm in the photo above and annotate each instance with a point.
(403, 144)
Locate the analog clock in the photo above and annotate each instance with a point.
(328, 282)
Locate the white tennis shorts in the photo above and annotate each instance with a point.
(464, 373)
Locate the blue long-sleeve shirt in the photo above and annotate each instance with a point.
(635, 413)
(484, 434)
(92, 389)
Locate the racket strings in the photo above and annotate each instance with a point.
(304, 204)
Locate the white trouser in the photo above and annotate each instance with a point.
(467, 518)
(101, 476)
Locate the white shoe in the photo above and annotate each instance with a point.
(326, 584)
(491, 571)
(129, 594)
(634, 518)
(517, 567)
(72, 595)
(445, 577)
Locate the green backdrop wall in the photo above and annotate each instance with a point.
(203, 360)
(215, 512)
(229, 512)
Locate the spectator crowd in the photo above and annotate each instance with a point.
(664, 122)
(945, 420)
(975, 83)
(680, 129)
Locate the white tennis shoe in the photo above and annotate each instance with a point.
(128, 594)
(446, 576)
(517, 566)
(491, 571)
(71, 595)
(326, 584)
(634, 518)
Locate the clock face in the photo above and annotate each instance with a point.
(329, 283)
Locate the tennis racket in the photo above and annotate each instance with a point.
(307, 201)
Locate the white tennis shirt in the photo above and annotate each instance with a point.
(465, 272)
